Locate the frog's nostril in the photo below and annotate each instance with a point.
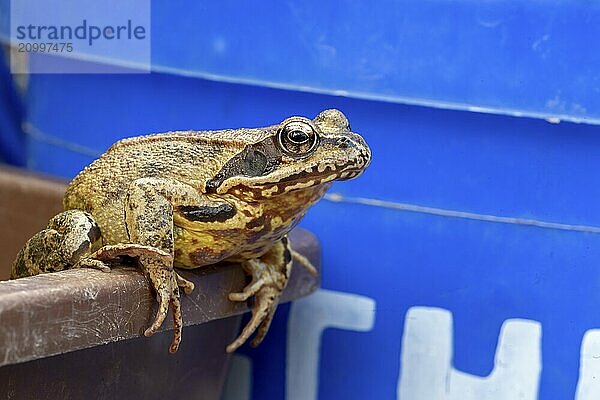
(344, 142)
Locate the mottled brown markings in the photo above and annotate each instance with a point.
(153, 226)
(200, 255)
(207, 213)
(304, 176)
(257, 222)
(257, 192)
(242, 191)
(177, 253)
(152, 168)
(298, 176)
(247, 213)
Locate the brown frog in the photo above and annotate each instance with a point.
(195, 198)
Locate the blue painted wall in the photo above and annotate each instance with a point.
(517, 57)
(483, 272)
(12, 140)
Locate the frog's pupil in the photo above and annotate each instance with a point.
(298, 136)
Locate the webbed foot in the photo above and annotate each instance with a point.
(269, 277)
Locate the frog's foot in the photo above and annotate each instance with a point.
(158, 265)
(267, 284)
(166, 283)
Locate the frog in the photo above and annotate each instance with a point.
(189, 199)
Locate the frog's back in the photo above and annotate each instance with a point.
(188, 156)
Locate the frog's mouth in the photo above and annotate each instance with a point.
(350, 174)
(309, 177)
(291, 178)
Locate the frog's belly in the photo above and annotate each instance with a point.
(195, 249)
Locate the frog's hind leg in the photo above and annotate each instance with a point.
(270, 274)
(68, 239)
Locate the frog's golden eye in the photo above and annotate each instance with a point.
(297, 137)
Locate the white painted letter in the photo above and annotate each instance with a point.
(588, 387)
(308, 318)
(426, 362)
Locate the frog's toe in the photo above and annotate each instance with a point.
(263, 328)
(166, 283)
(267, 299)
(164, 298)
(112, 251)
(187, 286)
(92, 263)
(305, 262)
(177, 324)
(248, 291)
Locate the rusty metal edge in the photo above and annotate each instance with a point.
(56, 313)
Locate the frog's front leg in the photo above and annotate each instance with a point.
(149, 222)
(270, 274)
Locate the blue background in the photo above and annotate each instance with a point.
(412, 72)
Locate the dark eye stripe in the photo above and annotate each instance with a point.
(255, 160)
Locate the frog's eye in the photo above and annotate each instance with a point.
(297, 137)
